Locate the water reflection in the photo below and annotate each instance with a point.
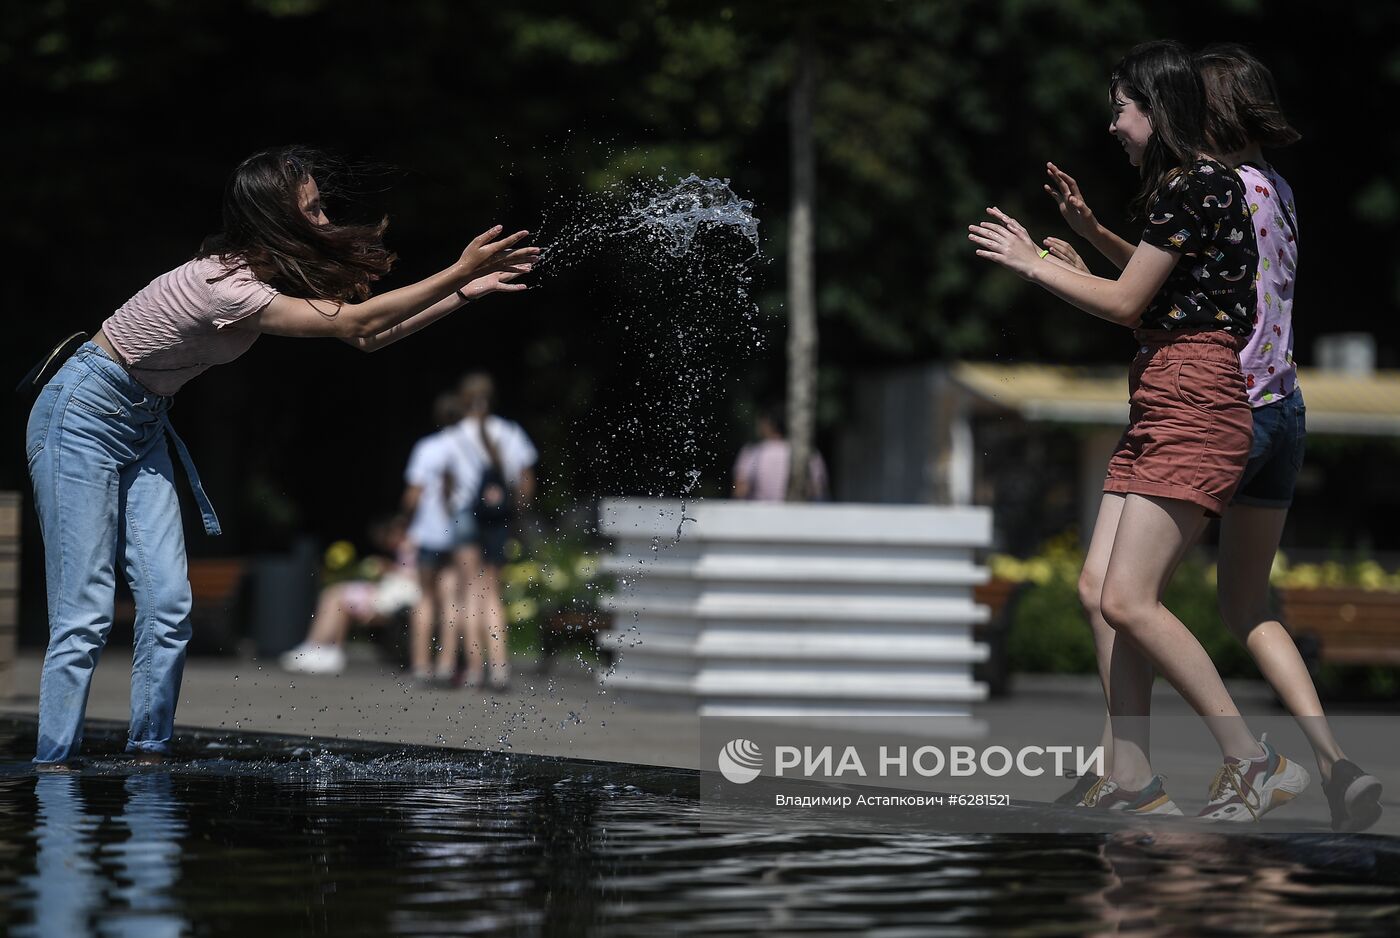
(103, 871)
(414, 844)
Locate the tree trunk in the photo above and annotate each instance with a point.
(801, 299)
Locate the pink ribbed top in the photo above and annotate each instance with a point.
(177, 326)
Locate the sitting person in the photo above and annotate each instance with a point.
(385, 589)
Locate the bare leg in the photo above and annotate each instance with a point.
(1249, 538)
(475, 623)
(332, 620)
(425, 614)
(494, 616)
(1090, 597)
(448, 628)
(1151, 534)
(469, 625)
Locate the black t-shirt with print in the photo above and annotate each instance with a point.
(1203, 215)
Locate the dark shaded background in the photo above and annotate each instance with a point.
(125, 120)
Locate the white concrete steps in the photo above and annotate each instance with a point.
(856, 610)
(742, 568)
(871, 688)
(812, 612)
(761, 646)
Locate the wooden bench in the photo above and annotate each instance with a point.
(216, 584)
(1348, 625)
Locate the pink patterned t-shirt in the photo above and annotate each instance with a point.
(177, 327)
(1267, 361)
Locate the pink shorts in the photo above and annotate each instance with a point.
(1189, 426)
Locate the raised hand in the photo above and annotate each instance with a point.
(1064, 252)
(484, 256)
(999, 244)
(1070, 201)
(1013, 226)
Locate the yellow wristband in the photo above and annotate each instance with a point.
(1044, 253)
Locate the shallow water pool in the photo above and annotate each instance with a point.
(269, 835)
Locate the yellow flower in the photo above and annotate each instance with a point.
(1304, 576)
(340, 555)
(1371, 576)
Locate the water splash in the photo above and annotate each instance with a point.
(668, 216)
(674, 217)
(673, 260)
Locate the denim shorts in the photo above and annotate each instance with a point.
(434, 559)
(1280, 437)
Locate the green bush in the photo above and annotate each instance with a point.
(1049, 632)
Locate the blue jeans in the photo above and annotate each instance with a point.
(1276, 456)
(104, 487)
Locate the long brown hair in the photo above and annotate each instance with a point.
(266, 231)
(1243, 99)
(1161, 78)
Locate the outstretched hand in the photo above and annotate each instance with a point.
(484, 256)
(495, 265)
(1070, 201)
(1005, 242)
(499, 281)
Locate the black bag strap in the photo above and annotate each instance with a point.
(38, 376)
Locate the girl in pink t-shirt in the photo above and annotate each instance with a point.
(96, 440)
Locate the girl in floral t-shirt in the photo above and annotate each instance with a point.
(1187, 291)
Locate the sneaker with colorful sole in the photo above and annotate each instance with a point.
(1247, 789)
(1107, 795)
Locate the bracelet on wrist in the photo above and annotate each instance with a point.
(461, 296)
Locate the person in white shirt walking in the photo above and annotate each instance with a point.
(432, 489)
(494, 460)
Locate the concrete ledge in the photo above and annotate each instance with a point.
(707, 521)
(784, 606)
(740, 568)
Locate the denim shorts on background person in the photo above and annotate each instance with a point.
(1280, 438)
(434, 559)
(490, 538)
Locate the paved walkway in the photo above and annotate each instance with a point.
(567, 713)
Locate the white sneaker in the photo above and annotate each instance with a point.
(1247, 789)
(310, 658)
